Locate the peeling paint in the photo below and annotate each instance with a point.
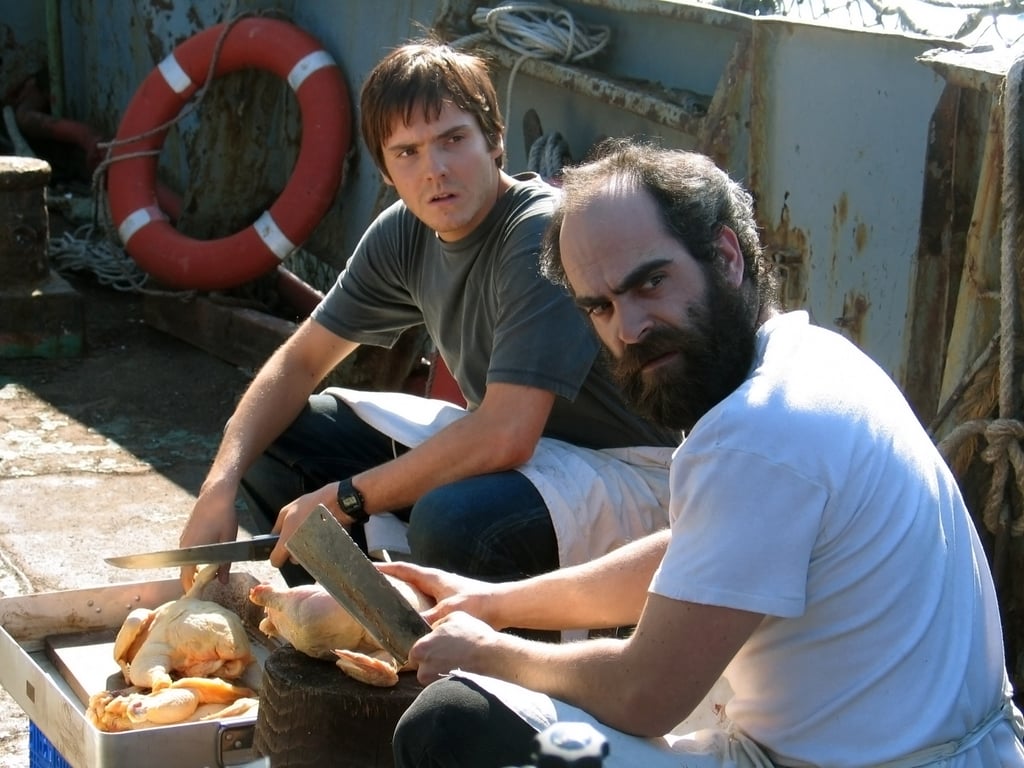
(855, 309)
(860, 236)
(787, 248)
(842, 209)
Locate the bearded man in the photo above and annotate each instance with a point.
(820, 556)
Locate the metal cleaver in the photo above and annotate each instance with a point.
(256, 548)
(323, 547)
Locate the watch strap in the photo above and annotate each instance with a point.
(351, 501)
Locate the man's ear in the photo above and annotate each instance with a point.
(387, 179)
(731, 254)
(499, 148)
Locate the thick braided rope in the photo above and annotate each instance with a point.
(1002, 451)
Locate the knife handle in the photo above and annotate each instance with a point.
(263, 545)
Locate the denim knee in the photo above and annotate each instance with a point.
(494, 527)
(441, 529)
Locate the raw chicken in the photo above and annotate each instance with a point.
(315, 624)
(200, 642)
(132, 707)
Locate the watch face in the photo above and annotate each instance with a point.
(350, 501)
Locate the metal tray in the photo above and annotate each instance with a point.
(49, 646)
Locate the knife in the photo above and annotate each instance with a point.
(325, 549)
(256, 548)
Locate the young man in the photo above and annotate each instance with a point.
(820, 556)
(496, 491)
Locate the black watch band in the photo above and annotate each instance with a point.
(351, 501)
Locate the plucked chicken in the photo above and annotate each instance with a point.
(176, 657)
(315, 624)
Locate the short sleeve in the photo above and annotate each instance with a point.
(743, 532)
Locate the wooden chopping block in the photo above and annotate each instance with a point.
(313, 714)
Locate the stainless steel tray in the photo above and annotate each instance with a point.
(50, 685)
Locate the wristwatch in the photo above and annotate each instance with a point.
(351, 501)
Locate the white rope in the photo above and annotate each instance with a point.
(79, 251)
(536, 31)
(21, 147)
(542, 31)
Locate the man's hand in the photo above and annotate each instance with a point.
(451, 593)
(294, 514)
(456, 641)
(213, 520)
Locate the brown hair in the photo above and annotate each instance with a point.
(694, 197)
(424, 75)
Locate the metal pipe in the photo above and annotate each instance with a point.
(55, 57)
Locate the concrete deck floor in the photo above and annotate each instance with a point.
(102, 454)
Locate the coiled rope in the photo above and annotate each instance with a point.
(538, 31)
(83, 251)
(1005, 433)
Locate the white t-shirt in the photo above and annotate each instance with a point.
(813, 495)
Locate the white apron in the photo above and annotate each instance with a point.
(598, 499)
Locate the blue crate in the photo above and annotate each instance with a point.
(41, 753)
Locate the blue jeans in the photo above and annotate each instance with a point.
(494, 527)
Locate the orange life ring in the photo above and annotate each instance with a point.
(149, 238)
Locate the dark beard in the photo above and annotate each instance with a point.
(716, 349)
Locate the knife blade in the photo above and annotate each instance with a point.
(256, 548)
(325, 549)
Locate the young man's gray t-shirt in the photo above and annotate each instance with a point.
(492, 315)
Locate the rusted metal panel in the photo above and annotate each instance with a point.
(838, 128)
(976, 316)
(675, 108)
(978, 70)
(725, 128)
(956, 138)
(22, 45)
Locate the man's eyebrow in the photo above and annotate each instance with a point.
(436, 137)
(636, 276)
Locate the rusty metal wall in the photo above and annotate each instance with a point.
(22, 43)
(829, 128)
(839, 132)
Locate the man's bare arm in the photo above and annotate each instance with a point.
(658, 675)
(272, 401)
(501, 434)
(606, 592)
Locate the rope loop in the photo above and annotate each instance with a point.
(536, 31)
(1002, 452)
(542, 31)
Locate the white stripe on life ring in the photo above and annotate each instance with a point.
(176, 77)
(136, 220)
(272, 236)
(307, 65)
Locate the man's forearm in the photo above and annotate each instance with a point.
(263, 413)
(581, 674)
(607, 592)
(500, 435)
(275, 398)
